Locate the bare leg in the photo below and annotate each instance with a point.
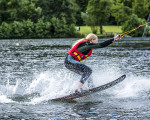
(80, 86)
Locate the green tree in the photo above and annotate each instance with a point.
(61, 29)
(82, 8)
(99, 10)
(141, 8)
(17, 30)
(133, 22)
(82, 4)
(29, 28)
(5, 30)
(91, 22)
(28, 10)
(19, 10)
(42, 29)
(7, 10)
(59, 9)
(61, 14)
(125, 2)
(120, 12)
(36, 18)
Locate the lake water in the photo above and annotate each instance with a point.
(32, 72)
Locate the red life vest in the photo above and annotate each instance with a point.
(78, 55)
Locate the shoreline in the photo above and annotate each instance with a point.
(100, 38)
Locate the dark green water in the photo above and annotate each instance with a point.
(32, 73)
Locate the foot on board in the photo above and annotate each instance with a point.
(77, 91)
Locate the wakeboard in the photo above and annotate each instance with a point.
(92, 90)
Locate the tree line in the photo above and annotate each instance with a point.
(58, 18)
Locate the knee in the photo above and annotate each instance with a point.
(85, 75)
(89, 71)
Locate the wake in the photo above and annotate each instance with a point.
(49, 85)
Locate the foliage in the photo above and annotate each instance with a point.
(5, 30)
(133, 22)
(82, 4)
(58, 9)
(37, 19)
(99, 10)
(19, 10)
(90, 22)
(42, 29)
(17, 30)
(28, 10)
(58, 18)
(121, 12)
(61, 29)
(127, 3)
(141, 8)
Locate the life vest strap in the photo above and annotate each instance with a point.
(86, 57)
(78, 56)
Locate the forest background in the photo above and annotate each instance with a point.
(59, 18)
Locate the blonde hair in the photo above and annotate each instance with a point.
(89, 37)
